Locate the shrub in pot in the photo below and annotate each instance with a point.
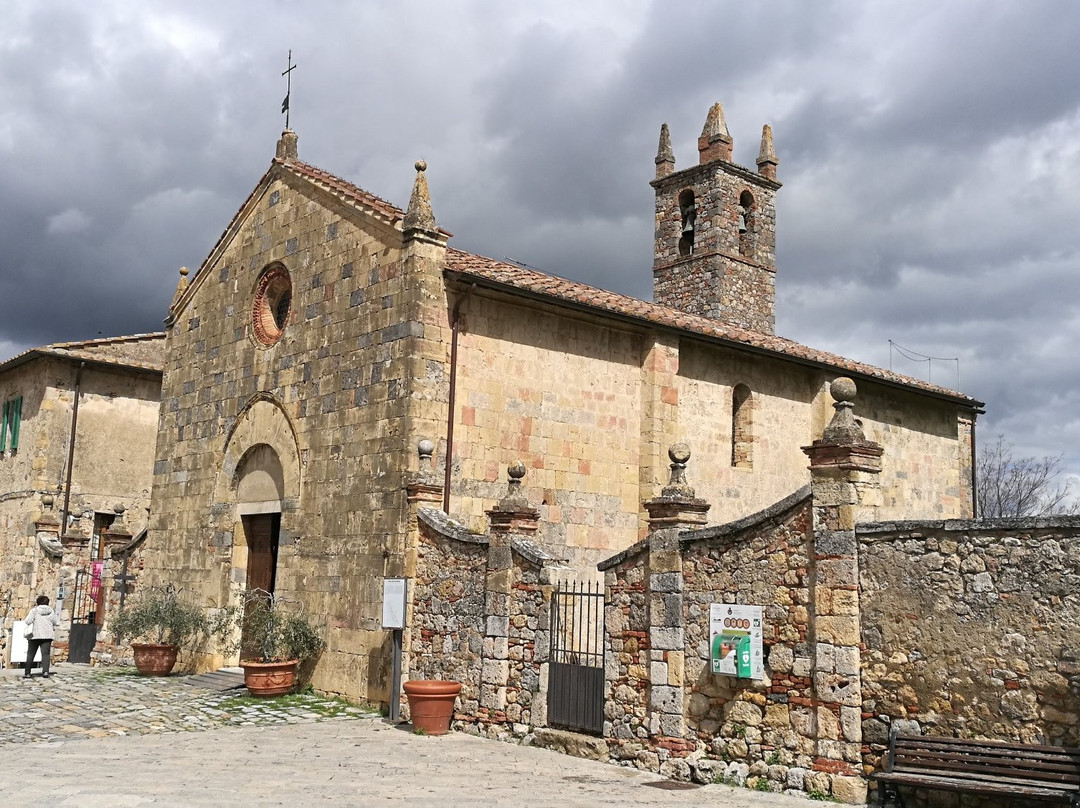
(275, 637)
(157, 625)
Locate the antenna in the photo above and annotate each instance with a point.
(915, 356)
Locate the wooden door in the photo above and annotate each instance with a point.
(262, 531)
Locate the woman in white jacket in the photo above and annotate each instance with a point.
(42, 621)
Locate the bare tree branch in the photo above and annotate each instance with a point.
(1024, 486)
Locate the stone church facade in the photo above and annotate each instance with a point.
(329, 333)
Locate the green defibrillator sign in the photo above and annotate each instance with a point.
(735, 642)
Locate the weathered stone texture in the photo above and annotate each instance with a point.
(111, 466)
(332, 398)
(971, 630)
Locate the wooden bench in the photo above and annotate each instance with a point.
(1029, 773)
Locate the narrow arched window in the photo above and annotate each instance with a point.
(688, 222)
(746, 219)
(742, 427)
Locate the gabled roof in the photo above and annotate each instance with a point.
(515, 279)
(352, 195)
(140, 352)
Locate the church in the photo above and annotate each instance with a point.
(329, 333)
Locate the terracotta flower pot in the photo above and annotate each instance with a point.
(431, 704)
(269, 678)
(152, 659)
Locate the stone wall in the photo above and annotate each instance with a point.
(760, 729)
(760, 733)
(971, 629)
(480, 617)
(447, 629)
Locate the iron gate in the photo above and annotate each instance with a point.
(576, 669)
(85, 603)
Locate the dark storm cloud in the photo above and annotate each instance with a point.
(928, 152)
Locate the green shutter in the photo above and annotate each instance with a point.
(3, 427)
(16, 420)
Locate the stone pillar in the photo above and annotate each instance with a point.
(675, 510)
(511, 516)
(423, 489)
(843, 476)
(659, 409)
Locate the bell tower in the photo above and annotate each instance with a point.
(714, 250)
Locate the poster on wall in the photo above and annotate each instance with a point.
(735, 634)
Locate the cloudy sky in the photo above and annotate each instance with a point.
(930, 155)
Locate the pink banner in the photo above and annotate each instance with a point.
(96, 568)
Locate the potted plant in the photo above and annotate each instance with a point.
(157, 625)
(275, 637)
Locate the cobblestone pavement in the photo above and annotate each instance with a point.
(93, 738)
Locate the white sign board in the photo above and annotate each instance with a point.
(393, 603)
(734, 629)
(19, 645)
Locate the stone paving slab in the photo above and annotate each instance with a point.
(117, 740)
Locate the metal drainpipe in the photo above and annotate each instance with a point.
(71, 451)
(974, 474)
(453, 394)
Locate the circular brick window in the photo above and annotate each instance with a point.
(273, 300)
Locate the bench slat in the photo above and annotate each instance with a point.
(1034, 769)
(972, 786)
(979, 778)
(940, 740)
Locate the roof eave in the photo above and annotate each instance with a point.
(977, 407)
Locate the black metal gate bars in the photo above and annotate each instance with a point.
(576, 670)
(84, 605)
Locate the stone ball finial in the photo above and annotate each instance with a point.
(425, 448)
(421, 165)
(679, 453)
(516, 470)
(843, 389)
(119, 508)
(47, 500)
(183, 272)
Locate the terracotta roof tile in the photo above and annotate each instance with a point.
(560, 289)
(142, 351)
(345, 190)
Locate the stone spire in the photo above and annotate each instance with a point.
(286, 147)
(766, 160)
(419, 215)
(665, 157)
(181, 286)
(715, 142)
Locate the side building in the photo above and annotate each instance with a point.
(76, 462)
(329, 333)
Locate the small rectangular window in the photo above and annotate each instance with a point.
(10, 422)
(16, 422)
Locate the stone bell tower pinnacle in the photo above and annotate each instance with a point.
(715, 242)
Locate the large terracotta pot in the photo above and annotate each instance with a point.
(431, 704)
(269, 678)
(152, 659)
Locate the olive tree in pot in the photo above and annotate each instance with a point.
(157, 625)
(275, 637)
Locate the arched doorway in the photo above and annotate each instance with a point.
(259, 492)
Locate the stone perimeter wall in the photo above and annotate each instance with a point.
(762, 734)
(971, 629)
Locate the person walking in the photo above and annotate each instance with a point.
(42, 622)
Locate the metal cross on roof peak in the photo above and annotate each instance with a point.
(288, 88)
